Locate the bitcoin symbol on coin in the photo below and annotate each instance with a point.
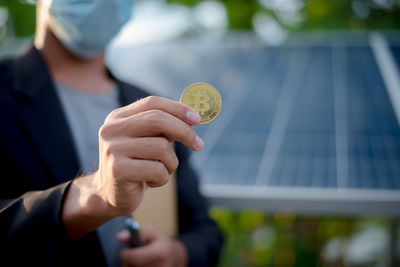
(204, 99)
(201, 102)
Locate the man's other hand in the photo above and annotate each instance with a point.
(158, 250)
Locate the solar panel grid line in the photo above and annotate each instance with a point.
(249, 126)
(318, 171)
(388, 69)
(366, 103)
(225, 72)
(396, 172)
(235, 164)
(242, 171)
(392, 156)
(198, 67)
(254, 66)
(223, 62)
(303, 171)
(385, 174)
(311, 118)
(383, 177)
(182, 66)
(339, 72)
(321, 126)
(395, 48)
(283, 111)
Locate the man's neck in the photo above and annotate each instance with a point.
(87, 75)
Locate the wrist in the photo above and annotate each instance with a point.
(84, 209)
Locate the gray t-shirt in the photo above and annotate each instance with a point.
(85, 114)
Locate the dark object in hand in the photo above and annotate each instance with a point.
(133, 228)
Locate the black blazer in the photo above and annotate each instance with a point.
(38, 161)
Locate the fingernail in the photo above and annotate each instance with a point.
(199, 142)
(193, 116)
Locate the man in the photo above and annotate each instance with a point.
(54, 99)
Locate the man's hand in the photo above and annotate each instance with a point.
(158, 250)
(135, 152)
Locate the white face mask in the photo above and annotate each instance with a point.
(85, 27)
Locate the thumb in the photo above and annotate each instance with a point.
(124, 236)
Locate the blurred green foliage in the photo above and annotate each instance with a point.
(315, 14)
(312, 14)
(22, 16)
(340, 14)
(241, 12)
(253, 238)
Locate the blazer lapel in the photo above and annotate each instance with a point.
(43, 118)
(128, 93)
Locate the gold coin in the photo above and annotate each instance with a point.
(204, 99)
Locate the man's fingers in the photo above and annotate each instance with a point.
(149, 233)
(141, 256)
(155, 123)
(172, 107)
(152, 252)
(152, 117)
(153, 173)
(148, 148)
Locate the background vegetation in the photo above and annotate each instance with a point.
(253, 238)
(20, 15)
(293, 15)
(313, 14)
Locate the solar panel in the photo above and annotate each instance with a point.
(307, 127)
(395, 49)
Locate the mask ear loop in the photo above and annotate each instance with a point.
(42, 8)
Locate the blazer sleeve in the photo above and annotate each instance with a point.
(31, 225)
(198, 232)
